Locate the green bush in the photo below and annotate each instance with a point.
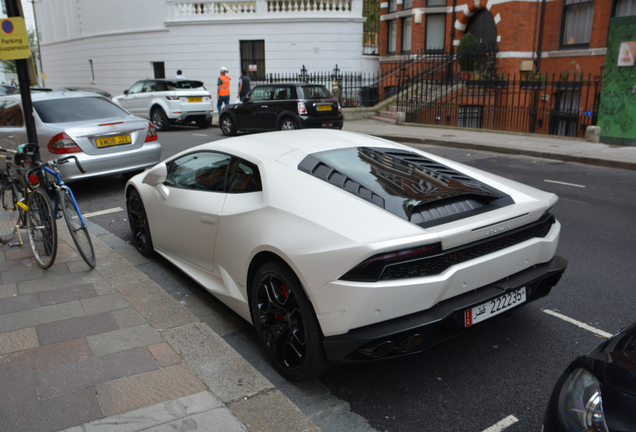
(468, 53)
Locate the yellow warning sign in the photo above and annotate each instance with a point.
(14, 41)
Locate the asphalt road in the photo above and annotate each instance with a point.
(498, 376)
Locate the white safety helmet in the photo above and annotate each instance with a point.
(223, 69)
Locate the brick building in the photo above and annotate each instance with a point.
(573, 33)
(561, 43)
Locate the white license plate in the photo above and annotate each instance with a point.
(495, 306)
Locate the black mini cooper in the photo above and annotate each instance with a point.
(282, 107)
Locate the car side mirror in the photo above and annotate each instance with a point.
(245, 99)
(126, 92)
(156, 175)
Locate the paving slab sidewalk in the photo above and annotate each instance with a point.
(109, 350)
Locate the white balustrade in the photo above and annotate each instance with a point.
(188, 10)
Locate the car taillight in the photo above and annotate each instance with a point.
(371, 269)
(62, 143)
(152, 133)
(172, 97)
(302, 109)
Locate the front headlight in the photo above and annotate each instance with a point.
(580, 403)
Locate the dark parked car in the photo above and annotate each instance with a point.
(597, 392)
(282, 107)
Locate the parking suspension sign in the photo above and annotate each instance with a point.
(14, 41)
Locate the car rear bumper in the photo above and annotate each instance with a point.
(113, 163)
(422, 330)
(334, 122)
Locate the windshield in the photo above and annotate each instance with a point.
(185, 85)
(77, 109)
(315, 92)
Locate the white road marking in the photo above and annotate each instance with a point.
(577, 323)
(564, 183)
(103, 212)
(199, 135)
(503, 424)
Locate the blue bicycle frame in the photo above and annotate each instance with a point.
(59, 184)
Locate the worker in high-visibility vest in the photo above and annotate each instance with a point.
(223, 89)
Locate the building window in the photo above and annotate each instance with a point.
(159, 69)
(430, 3)
(253, 58)
(471, 116)
(392, 6)
(406, 34)
(408, 4)
(392, 36)
(435, 32)
(625, 8)
(577, 23)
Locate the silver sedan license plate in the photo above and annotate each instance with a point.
(495, 306)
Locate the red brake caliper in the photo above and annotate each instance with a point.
(284, 292)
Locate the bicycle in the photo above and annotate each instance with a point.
(12, 205)
(65, 200)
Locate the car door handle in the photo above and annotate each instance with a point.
(263, 106)
(11, 136)
(208, 220)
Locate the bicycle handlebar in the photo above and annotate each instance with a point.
(6, 150)
(66, 159)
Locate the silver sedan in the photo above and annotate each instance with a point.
(105, 138)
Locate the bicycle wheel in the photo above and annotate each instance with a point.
(41, 228)
(10, 213)
(78, 230)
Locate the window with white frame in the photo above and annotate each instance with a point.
(406, 34)
(625, 8)
(392, 36)
(435, 32)
(577, 24)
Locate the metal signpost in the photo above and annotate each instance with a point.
(14, 45)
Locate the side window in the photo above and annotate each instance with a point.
(11, 115)
(161, 86)
(243, 177)
(263, 93)
(136, 88)
(149, 86)
(282, 93)
(205, 171)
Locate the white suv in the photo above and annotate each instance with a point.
(167, 102)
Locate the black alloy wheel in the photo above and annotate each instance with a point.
(286, 323)
(227, 125)
(160, 119)
(139, 224)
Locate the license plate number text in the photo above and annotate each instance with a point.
(323, 107)
(494, 307)
(195, 99)
(111, 141)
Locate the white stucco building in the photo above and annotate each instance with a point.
(27, 9)
(110, 44)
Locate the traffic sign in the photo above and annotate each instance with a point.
(14, 40)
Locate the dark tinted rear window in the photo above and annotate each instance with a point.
(185, 85)
(77, 109)
(315, 92)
